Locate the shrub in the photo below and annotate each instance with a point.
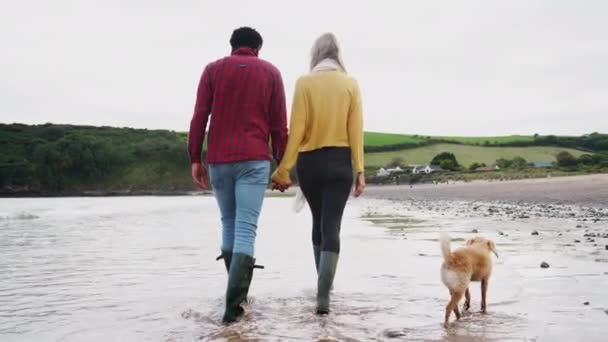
(565, 158)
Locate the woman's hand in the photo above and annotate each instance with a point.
(359, 185)
(278, 183)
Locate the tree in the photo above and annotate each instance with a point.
(448, 164)
(444, 156)
(49, 166)
(518, 163)
(565, 158)
(586, 159)
(503, 163)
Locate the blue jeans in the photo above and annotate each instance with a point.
(239, 190)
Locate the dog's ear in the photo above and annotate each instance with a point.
(492, 247)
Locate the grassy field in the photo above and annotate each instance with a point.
(489, 140)
(467, 154)
(379, 139)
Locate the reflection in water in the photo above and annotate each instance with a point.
(139, 269)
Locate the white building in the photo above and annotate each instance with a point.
(425, 169)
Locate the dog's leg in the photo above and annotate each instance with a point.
(484, 291)
(467, 302)
(452, 306)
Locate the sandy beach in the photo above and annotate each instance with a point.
(587, 190)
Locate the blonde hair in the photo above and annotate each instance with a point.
(326, 47)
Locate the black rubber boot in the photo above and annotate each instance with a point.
(317, 251)
(227, 256)
(239, 280)
(327, 270)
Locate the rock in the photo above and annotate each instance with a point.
(560, 234)
(606, 311)
(590, 240)
(586, 303)
(544, 265)
(534, 232)
(501, 233)
(606, 247)
(394, 333)
(579, 226)
(475, 231)
(577, 241)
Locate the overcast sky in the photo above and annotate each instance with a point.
(425, 67)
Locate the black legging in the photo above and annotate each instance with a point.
(326, 177)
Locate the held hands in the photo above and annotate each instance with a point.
(280, 183)
(359, 185)
(200, 176)
(278, 186)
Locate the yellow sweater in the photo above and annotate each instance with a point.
(326, 112)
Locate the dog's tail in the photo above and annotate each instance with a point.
(446, 248)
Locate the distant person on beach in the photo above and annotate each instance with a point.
(326, 138)
(243, 98)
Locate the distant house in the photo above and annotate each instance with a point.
(382, 173)
(542, 164)
(387, 172)
(426, 169)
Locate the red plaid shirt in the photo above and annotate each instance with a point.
(245, 98)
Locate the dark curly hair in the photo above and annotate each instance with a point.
(246, 37)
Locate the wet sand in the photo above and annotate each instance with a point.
(588, 190)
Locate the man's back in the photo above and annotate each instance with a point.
(244, 96)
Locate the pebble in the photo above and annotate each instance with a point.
(535, 232)
(544, 265)
(577, 241)
(586, 303)
(606, 247)
(579, 226)
(501, 233)
(475, 231)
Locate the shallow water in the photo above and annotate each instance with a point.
(144, 269)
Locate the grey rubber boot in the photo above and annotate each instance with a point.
(317, 251)
(239, 280)
(327, 270)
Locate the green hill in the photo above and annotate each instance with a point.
(67, 159)
(467, 154)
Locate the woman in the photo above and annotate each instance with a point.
(326, 137)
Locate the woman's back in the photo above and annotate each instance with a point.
(329, 99)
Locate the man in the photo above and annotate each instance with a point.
(244, 98)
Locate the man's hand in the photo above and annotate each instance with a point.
(359, 185)
(200, 176)
(279, 186)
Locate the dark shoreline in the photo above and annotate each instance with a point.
(112, 193)
(121, 193)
